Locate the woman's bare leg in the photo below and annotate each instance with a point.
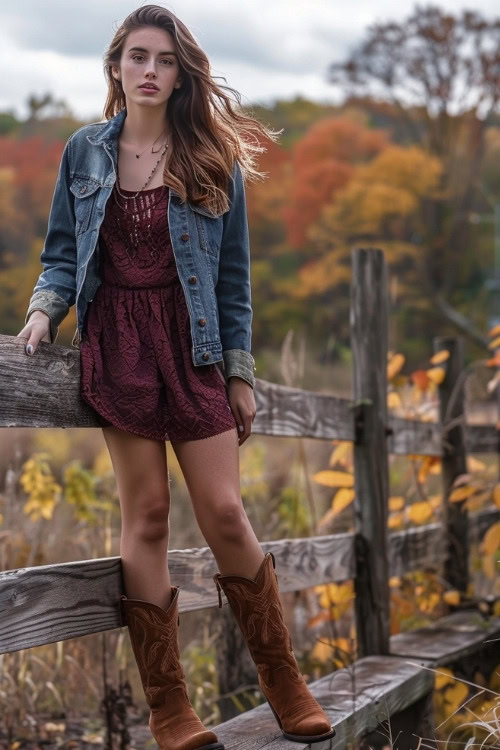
(141, 472)
(211, 470)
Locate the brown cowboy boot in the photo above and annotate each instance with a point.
(154, 636)
(258, 610)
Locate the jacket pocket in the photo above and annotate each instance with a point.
(85, 198)
(209, 232)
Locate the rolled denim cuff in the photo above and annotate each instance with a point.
(51, 303)
(240, 363)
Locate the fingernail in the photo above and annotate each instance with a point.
(29, 349)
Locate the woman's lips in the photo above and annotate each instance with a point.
(148, 90)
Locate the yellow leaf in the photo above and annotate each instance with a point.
(496, 495)
(435, 501)
(440, 357)
(395, 520)
(395, 365)
(396, 503)
(394, 582)
(495, 331)
(393, 400)
(342, 499)
(488, 563)
(436, 374)
(334, 478)
(443, 677)
(420, 512)
(491, 540)
(430, 464)
(476, 502)
(335, 594)
(455, 695)
(341, 453)
(461, 493)
(452, 598)
(495, 343)
(474, 464)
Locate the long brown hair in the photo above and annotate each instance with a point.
(207, 133)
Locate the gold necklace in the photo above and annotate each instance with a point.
(137, 156)
(130, 197)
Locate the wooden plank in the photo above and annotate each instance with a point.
(414, 437)
(416, 548)
(51, 603)
(448, 639)
(43, 391)
(369, 325)
(69, 600)
(283, 411)
(355, 700)
(481, 438)
(454, 461)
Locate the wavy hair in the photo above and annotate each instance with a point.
(207, 133)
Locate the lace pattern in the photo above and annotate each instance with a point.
(137, 371)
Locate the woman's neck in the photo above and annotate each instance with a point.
(143, 125)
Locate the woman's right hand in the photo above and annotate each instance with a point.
(36, 329)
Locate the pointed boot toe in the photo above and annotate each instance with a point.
(258, 610)
(153, 633)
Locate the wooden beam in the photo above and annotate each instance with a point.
(448, 639)
(454, 461)
(48, 603)
(68, 600)
(355, 699)
(43, 391)
(369, 326)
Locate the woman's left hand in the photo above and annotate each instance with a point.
(242, 403)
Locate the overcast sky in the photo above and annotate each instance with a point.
(266, 49)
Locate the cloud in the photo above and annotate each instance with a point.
(266, 49)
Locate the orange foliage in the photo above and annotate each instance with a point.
(322, 164)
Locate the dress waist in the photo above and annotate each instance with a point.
(129, 286)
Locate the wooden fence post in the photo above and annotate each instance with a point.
(454, 461)
(369, 334)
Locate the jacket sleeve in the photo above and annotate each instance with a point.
(233, 290)
(55, 290)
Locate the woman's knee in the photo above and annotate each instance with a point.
(150, 518)
(228, 520)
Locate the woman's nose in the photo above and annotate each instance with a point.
(151, 68)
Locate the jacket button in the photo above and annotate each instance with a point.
(185, 237)
(83, 189)
(192, 279)
(202, 321)
(205, 356)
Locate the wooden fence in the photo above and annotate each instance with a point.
(393, 675)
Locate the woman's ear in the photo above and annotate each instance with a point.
(115, 73)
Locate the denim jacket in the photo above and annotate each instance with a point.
(211, 252)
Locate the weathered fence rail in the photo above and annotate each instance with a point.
(55, 602)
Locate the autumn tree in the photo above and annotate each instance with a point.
(322, 163)
(442, 72)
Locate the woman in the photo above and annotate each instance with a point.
(148, 236)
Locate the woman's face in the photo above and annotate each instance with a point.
(148, 56)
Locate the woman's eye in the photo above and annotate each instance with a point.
(166, 60)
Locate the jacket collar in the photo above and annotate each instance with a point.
(110, 130)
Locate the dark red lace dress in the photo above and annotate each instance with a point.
(135, 352)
